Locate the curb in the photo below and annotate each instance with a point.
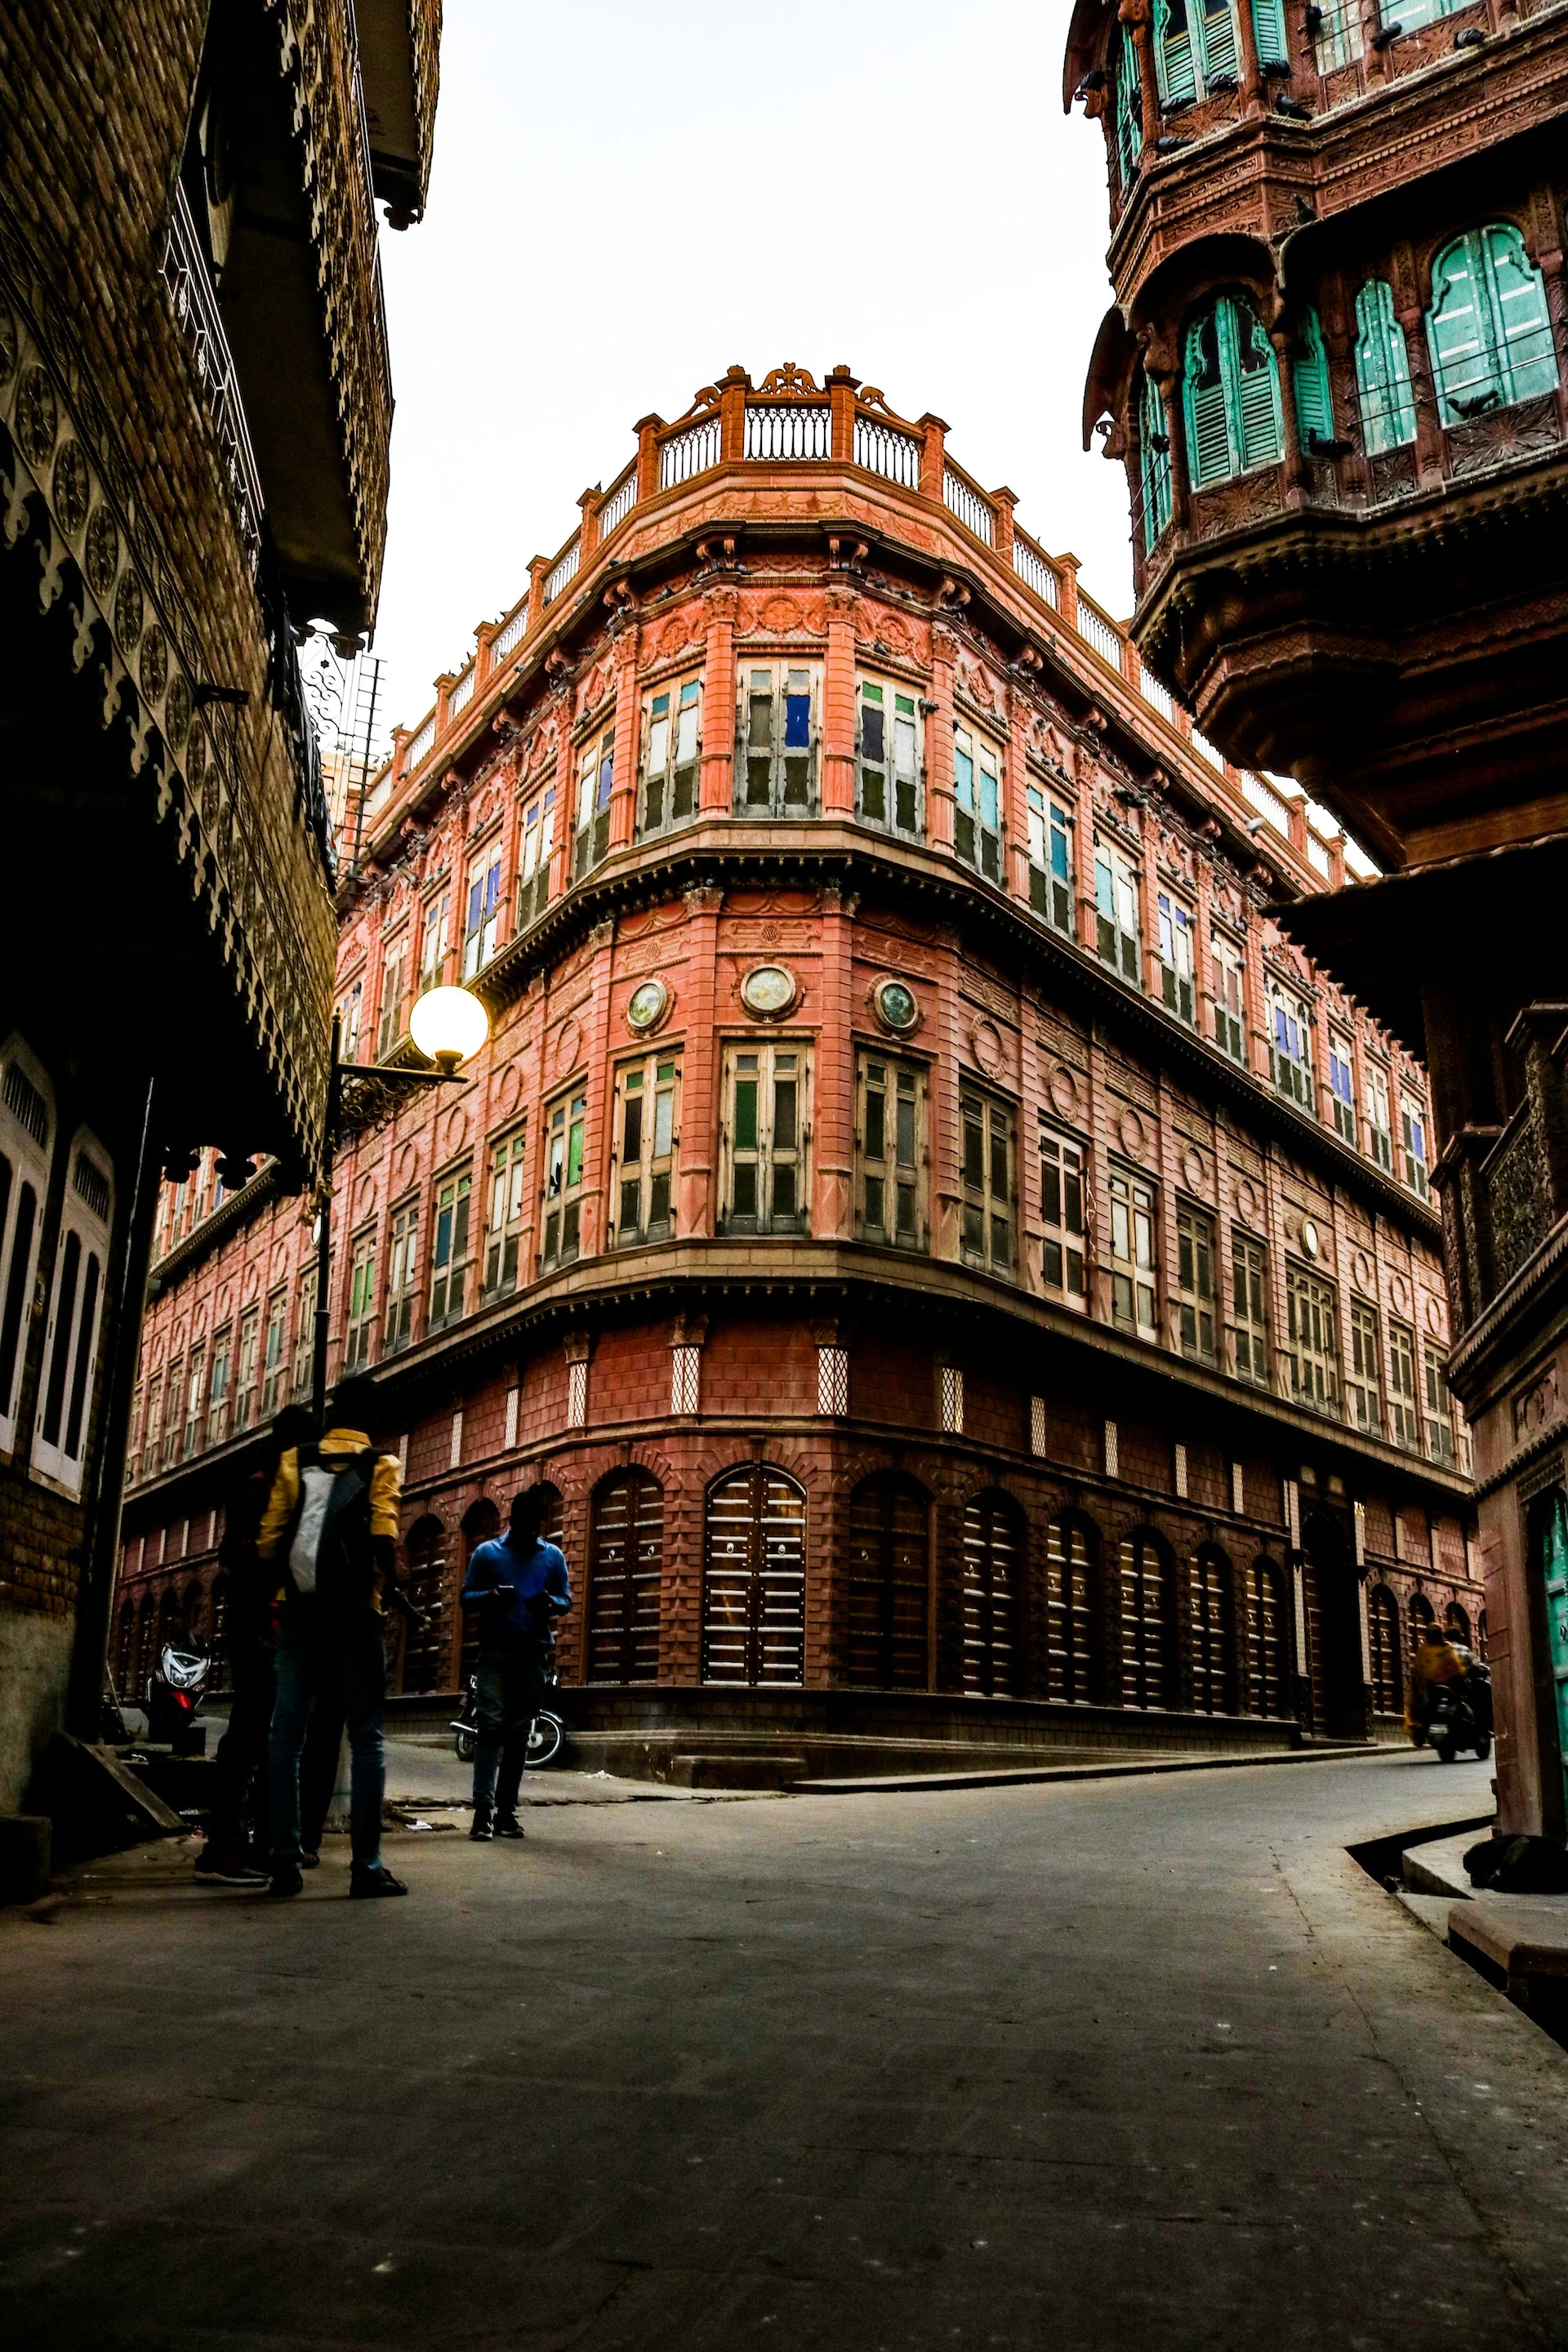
(896, 1783)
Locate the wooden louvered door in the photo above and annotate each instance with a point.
(991, 1562)
(1382, 1640)
(1211, 1634)
(1317, 1676)
(1144, 1605)
(1070, 1662)
(625, 1578)
(889, 1586)
(753, 1582)
(1266, 1633)
(425, 1648)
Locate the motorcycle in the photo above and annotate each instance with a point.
(1461, 1716)
(544, 1741)
(174, 1689)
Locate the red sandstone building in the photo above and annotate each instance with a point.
(965, 1273)
(1337, 372)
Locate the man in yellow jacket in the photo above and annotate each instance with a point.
(330, 1528)
(1437, 1660)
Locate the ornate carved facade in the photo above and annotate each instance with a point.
(963, 1268)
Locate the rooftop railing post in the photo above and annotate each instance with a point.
(485, 637)
(1002, 504)
(732, 416)
(647, 429)
(934, 456)
(538, 565)
(841, 386)
(1067, 572)
(588, 530)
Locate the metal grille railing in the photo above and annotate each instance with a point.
(1096, 631)
(691, 452)
(896, 456)
(513, 634)
(563, 571)
(1268, 803)
(968, 505)
(1159, 697)
(794, 432)
(616, 507)
(1035, 572)
(463, 692)
(419, 745)
(196, 311)
(1211, 751)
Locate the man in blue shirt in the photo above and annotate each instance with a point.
(519, 1585)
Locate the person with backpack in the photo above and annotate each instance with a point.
(519, 1584)
(331, 1525)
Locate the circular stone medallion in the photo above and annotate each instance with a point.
(768, 991)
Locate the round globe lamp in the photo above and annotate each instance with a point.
(449, 1025)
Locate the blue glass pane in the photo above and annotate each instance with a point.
(797, 723)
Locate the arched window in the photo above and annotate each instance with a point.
(1230, 389)
(1487, 327)
(480, 1522)
(26, 1139)
(1072, 1615)
(1194, 43)
(1420, 1614)
(1263, 1600)
(1145, 1594)
(1155, 462)
(1381, 371)
(889, 1584)
(753, 1581)
(626, 1572)
(425, 1651)
(1310, 381)
(1382, 1640)
(1457, 1624)
(1212, 1632)
(992, 1553)
(76, 1304)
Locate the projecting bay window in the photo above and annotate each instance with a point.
(672, 751)
(274, 1359)
(1132, 1286)
(1195, 1283)
(888, 768)
(1364, 1395)
(1314, 1340)
(1249, 1292)
(449, 1247)
(503, 1222)
(977, 802)
(891, 1153)
(779, 731)
(435, 941)
(217, 1387)
(1050, 859)
(1178, 935)
(1413, 1134)
(1404, 1420)
(305, 1337)
(1379, 1127)
(1062, 1265)
(646, 1136)
(1116, 912)
(394, 997)
(483, 916)
(763, 1137)
(1225, 969)
(1290, 1046)
(1439, 1407)
(562, 1213)
(1341, 1085)
(596, 781)
(402, 1277)
(244, 1370)
(533, 864)
(362, 1302)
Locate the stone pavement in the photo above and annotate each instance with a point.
(1081, 2066)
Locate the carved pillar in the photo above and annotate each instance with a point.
(700, 1071)
(1548, 261)
(938, 738)
(720, 607)
(624, 790)
(1148, 75)
(1430, 447)
(1251, 71)
(1298, 476)
(838, 706)
(833, 1104)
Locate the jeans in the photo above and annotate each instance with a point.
(508, 1687)
(343, 1661)
(239, 1768)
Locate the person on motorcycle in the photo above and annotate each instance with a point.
(519, 1584)
(1437, 1660)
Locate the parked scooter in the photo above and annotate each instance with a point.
(174, 1690)
(1461, 1716)
(544, 1741)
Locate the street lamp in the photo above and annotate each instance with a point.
(448, 1025)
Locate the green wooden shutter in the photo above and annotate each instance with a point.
(1156, 464)
(1382, 371)
(1129, 110)
(1255, 390)
(1314, 400)
(1522, 325)
(1209, 457)
(1216, 31)
(1173, 54)
(1268, 28)
(1458, 328)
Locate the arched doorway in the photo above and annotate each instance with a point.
(1332, 1602)
(1072, 1612)
(626, 1574)
(1212, 1632)
(1457, 1624)
(993, 1567)
(753, 1578)
(1145, 1577)
(1419, 1612)
(1267, 1629)
(1383, 1641)
(426, 1650)
(889, 1584)
(480, 1522)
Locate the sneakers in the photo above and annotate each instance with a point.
(287, 1879)
(309, 1861)
(374, 1882)
(235, 1870)
(484, 1823)
(507, 1825)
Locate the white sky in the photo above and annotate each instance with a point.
(626, 199)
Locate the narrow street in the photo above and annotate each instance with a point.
(1149, 2063)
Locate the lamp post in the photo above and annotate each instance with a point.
(449, 1025)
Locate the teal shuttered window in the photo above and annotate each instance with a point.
(1195, 45)
(1155, 460)
(1489, 330)
(1269, 29)
(1230, 392)
(1381, 371)
(1310, 376)
(1128, 101)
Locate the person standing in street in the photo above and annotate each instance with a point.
(330, 1524)
(519, 1584)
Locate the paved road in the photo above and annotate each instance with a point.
(1143, 2063)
